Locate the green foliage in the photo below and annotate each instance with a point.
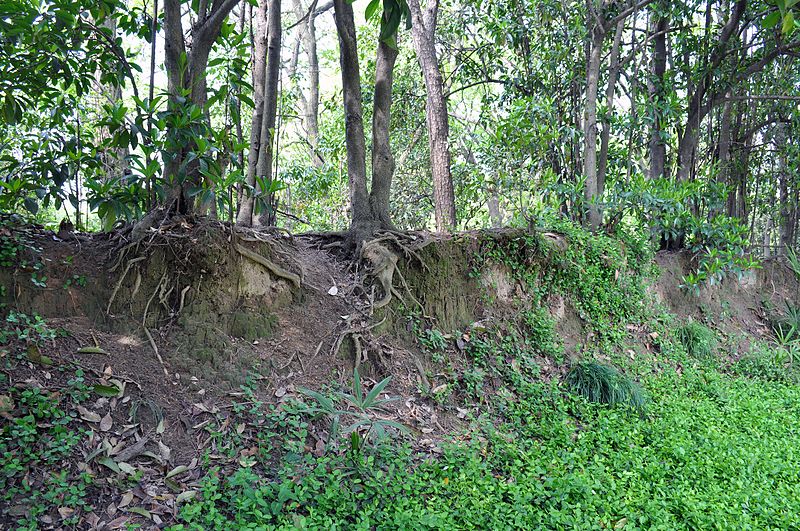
(692, 464)
(602, 275)
(773, 363)
(39, 437)
(604, 384)
(787, 326)
(698, 340)
(360, 408)
(27, 328)
(686, 215)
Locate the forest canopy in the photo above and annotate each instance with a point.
(671, 117)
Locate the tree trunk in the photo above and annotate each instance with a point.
(115, 160)
(266, 151)
(422, 32)
(591, 191)
(188, 79)
(701, 99)
(311, 106)
(259, 60)
(362, 224)
(786, 222)
(605, 136)
(382, 159)
(656, 90)
(724, 148)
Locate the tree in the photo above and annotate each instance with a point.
(423, 30)
(267, 61)
(369, 210)
(186, 79)
(600, 21)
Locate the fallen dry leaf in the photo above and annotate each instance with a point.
(106, 422)
(87, 415)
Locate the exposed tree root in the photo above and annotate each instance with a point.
(275, 269)
(383, 265)
(155, 349)
(121, 279)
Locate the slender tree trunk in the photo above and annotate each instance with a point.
(237, 189)
(701, 98)
(362, 223)
(605, 136)
(656, 90)
(307, 34)
(259, 60)
(382, 159)
(311, 106)
(188, 79)
(422, 32)
(724, 148)
(115, 160)
(786, 222)
(266, 152)
(591, 190)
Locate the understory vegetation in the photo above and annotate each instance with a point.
(714, 451)
(647, 422)
(399, 264)
(678, 437)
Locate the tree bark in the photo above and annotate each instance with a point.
(656, 90)
(266, 151)
(311, 104)
(700, 101)
(605, 135)
(190, 80)
(382, 159)
(786, 226)
(259, 60)
(591, 189)
(422, 32)
(362, 223)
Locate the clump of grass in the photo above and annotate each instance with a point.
(605, 384)
(698, 340)
(787, 326)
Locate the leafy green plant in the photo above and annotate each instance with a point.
(787, 326)
(605, 384)
(25, 327)
(772, 363)
(38, 436)
(433, 339)
(360, 407)
(794, 261)
(698, 339)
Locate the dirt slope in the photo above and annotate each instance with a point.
(183, 320)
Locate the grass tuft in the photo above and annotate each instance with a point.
(605, 384)
(698, 340)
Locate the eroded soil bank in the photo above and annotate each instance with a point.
(174, 334)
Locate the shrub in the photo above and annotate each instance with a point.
(698, 340)
(605, 384)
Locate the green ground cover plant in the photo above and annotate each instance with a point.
(715, 452)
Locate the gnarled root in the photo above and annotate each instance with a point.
(273, 268)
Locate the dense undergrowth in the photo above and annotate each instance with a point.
(701, 443)
(647, 426)
(714, 452)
